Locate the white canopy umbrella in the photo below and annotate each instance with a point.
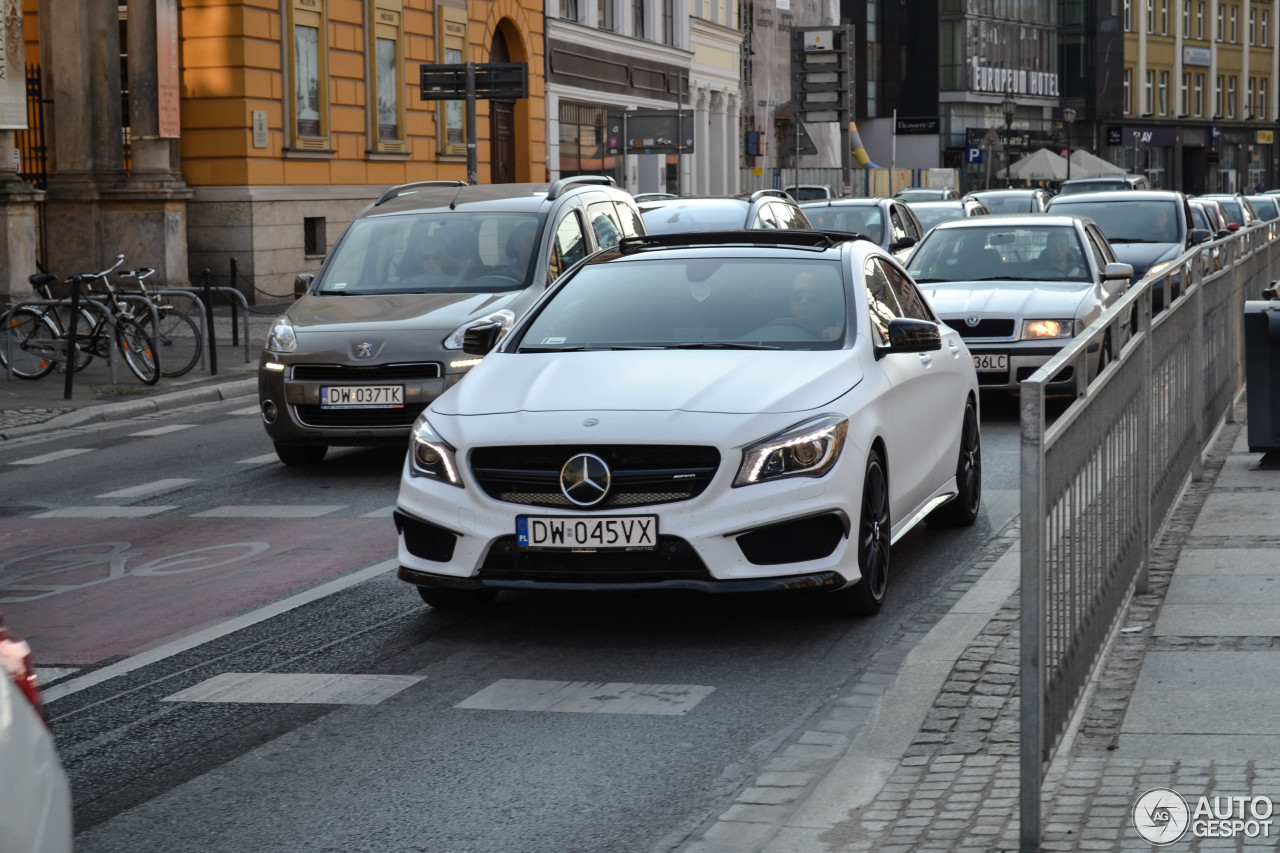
(1040, 165)
(1086, 165)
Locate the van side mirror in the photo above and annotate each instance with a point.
(1200, 235)
(301, 284)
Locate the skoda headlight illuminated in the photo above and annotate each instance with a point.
(503, 318)
(1156, 269)
(1036, 329)
(808, 449)
(281, 337)
(431, 456)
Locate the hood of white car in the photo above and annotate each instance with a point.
(1006, 299)
(721, 381)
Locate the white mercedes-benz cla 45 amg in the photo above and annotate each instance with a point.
(719, 411)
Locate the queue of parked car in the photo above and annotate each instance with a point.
(575, 370)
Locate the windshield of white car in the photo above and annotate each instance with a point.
(1008, 203)
(1000, 252)
(933, 214)
(864, 219)
(694, 303)
(1122, 221)
(453, 252)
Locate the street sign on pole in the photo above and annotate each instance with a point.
(649, 132)
(820, 88)
(492, 81)
(797, 139)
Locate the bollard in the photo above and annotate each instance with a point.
(70, 349)
(207, 277)
(235, 309)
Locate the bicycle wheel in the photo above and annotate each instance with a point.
(178, 340)
(139, 350)
(84, 338)
(32, 339)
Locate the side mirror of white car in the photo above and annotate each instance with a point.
(907, 335)
(1115, 270)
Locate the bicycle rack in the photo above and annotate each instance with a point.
(190, 292)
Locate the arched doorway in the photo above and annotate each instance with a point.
(502, 120)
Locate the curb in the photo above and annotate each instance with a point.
(133, 408)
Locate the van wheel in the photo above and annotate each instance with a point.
(301, 454)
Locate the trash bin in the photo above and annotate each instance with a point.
(1262, 374)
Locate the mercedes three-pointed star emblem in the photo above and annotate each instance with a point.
(585, 479)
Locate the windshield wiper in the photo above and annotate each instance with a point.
(931, 280)
(585, 348)
(719, 345)
(1000, 278)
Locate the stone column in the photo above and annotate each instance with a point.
(734, 157)
(717, 155)
(17, 227)
(700, 144)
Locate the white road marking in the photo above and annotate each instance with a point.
(215, 632)
(164, 430)
(250, 410)
(49, 674)
(269, 511)
(104, 511)
(53, 457)
(296, 688)
(587, 697)
(385, 512)
(260, 460)
(146, 488)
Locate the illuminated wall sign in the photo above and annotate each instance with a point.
(1014, 81)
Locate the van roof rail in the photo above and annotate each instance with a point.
(775, 193)
(558, 188)
(401, 189)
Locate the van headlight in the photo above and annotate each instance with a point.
(808, 449)
(503, 318)
(432, 456)
(281, 338)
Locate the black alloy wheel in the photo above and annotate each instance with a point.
(962, 510)
(874, 533)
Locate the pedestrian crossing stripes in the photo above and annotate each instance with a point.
(49, 674)
(587, 697)
(163, 430)
(385, 512)
(53, 457)
(296, 688)
(269, 511)
(146, 489)
(249, 410)
(259, 460)
(104, 512)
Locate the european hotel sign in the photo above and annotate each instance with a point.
(1013, 81)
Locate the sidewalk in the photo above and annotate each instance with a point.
(31, 406)
(921, 753)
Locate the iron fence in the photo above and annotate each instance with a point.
(1099, 481)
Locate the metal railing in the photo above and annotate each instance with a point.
(1100, 480)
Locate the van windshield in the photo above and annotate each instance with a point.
(435, 253)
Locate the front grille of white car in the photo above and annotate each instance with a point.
(642, 474)
(987, 327)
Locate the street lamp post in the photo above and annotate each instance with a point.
(1010, 107)
(1068, 118)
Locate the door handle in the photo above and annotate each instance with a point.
(955, 350)
(926, 358)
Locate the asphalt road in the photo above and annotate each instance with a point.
(452, 746)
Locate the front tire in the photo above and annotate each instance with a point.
(33, 342)
(139, 349)
(301, 454)
(874, 533)
(457, 599)
(962, 510)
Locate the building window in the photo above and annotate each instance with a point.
(1164, 17)
(1217, 98)
(1151, 16)
(1222, 23)
(313, 236)
(669, 22)
(569, 10)
(1200, 21)
(604, 11)
(1184, 96)
(637, 19)
(1199, 92)
(1164, 93)
(1128, 16)
(1235, 24)
(1231, 96)
(1148, 100)
(1253, 26)
(582, 135)
(1266, 28)
(1186, 19)
(388, 76)
(951, 68)
(1128, 86)
(451, 49)
(1260, 105)
(310, 75)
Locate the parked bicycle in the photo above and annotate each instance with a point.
(177, 337)
(38, 336)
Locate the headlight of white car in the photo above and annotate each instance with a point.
(503, 318)
(281, 337)
(1034, 329)
(1156, 269)
(808, 449)
(432, 456)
